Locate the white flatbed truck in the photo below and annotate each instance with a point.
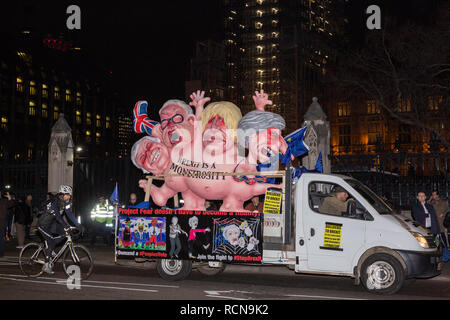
(369, 242)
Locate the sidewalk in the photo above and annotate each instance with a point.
(104, 255)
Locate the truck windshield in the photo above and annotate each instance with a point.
(370, 196)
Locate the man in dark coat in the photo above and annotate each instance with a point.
(425, 214)
(5, 204)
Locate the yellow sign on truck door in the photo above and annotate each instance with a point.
(332, 236)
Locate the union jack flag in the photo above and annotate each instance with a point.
(141, 122)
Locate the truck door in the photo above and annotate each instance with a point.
(332, 238)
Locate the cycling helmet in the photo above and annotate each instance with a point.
(65, 189)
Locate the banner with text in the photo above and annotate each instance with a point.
(188, 234)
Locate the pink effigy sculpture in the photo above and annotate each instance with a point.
(195, 152)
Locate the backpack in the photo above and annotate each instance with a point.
(46, 217)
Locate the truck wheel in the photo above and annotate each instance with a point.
(210, 271)
(174, 270)
(382, 274)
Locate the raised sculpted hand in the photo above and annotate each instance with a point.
(261, 99)
(198, 101)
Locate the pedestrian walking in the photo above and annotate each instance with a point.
(424, 213)
(5, 204)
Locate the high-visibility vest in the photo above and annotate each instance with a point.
(103, 213)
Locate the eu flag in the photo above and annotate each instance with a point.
(142, 205)
(319, 164)
(115, 196)
(296, 145)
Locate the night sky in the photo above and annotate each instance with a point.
(147, 44)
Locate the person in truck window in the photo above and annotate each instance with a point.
(336, 203)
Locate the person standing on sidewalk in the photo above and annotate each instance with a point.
(30, 214)
(22, 218)
(5, 204)
(425, 214)
(441, 207)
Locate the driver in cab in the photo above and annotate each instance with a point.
(335, 204)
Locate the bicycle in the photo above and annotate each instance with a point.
(32, 257)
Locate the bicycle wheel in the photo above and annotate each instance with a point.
(32, 259)
(82, 259)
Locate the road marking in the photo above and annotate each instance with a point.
(218, 294)
(60, 283)
(95, 281)
(224, 297)
(321, 297)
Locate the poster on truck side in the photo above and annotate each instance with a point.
(232, 237)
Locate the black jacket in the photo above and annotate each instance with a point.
(418, 214)
(21, 213)
(5, 204)
(54, 211)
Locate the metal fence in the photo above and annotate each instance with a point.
(398, 176)
(25, 177)
(98, 177)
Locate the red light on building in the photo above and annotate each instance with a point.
(57, 43)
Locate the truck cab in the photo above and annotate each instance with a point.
(366, 240)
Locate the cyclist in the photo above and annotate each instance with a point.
(51, 224)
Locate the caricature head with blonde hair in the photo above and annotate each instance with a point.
(219, 123)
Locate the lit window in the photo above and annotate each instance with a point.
(372, 107)
(433, 102)
(259, 13)
(44, 91)
(30, 152)
(56, 93)
(343, 109)
(32, 108)
(259, 84)
(98, 123)
(32, 88)
(44, 111)
(4, 123)
(68, 96)
(78, 98)
(274, 10)
(259, 49)
(259, 36)
(274, 23)
(404, 105)
(260, 61)
(55, 113)
(258, 25)
(108, 125)
(88, 118)
(78, 116)
(88, 133)
(19, 84)
(260, 1)
(275, 34)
